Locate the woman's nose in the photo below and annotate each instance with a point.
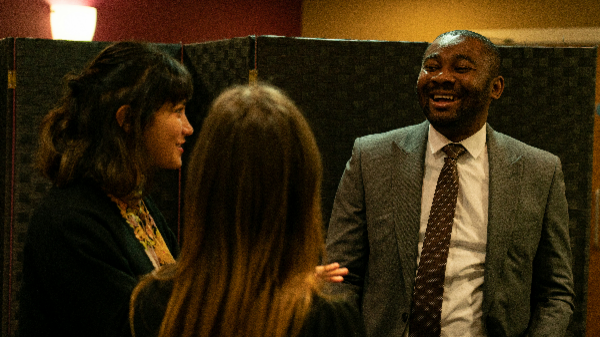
(187, 127)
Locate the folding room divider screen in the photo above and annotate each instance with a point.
(345, 88)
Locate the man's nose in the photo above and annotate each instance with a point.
(443, 76)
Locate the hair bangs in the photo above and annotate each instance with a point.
(177, 83)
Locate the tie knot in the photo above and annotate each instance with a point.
(453, 151)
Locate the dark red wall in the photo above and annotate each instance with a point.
(168, 21)
(25, 18)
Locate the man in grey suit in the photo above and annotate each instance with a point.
(508, 271)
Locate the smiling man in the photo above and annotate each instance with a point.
(449, 228)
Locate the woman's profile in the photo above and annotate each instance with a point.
(120, 120)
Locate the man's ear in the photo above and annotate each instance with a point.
(121, 116)
(497, 87)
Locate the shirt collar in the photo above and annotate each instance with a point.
(474, 144)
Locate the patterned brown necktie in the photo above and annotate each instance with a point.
(429, 285)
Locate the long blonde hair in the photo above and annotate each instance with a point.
(253, 226)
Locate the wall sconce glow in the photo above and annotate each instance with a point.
(76, 23)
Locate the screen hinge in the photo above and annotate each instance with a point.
(253, 76)
(12, 79)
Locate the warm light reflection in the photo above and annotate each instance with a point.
(76, 23)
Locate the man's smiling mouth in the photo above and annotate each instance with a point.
(443, 98)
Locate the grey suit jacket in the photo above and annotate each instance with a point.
(374, 227)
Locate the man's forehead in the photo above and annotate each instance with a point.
(449, 40)
(445, 42)
(453, 57)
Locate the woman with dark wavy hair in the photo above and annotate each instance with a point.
(120, 120)
(252, 234)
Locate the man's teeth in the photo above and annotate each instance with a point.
(445, 97)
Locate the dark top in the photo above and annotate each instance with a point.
(327, 317)
(81, 263)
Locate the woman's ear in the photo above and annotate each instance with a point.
(122, 116)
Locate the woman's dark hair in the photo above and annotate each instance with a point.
(81, 137)
(253, 227)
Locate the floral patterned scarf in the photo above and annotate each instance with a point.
(144, 227)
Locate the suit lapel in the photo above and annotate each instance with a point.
(408, 156)
(505, 171)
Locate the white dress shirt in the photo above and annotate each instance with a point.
(463, 285)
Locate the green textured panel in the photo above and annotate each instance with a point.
(346, 89)
(6, 99)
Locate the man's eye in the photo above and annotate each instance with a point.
(463, 69)
(430, 68)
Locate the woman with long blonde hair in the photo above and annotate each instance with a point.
(253, 231)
